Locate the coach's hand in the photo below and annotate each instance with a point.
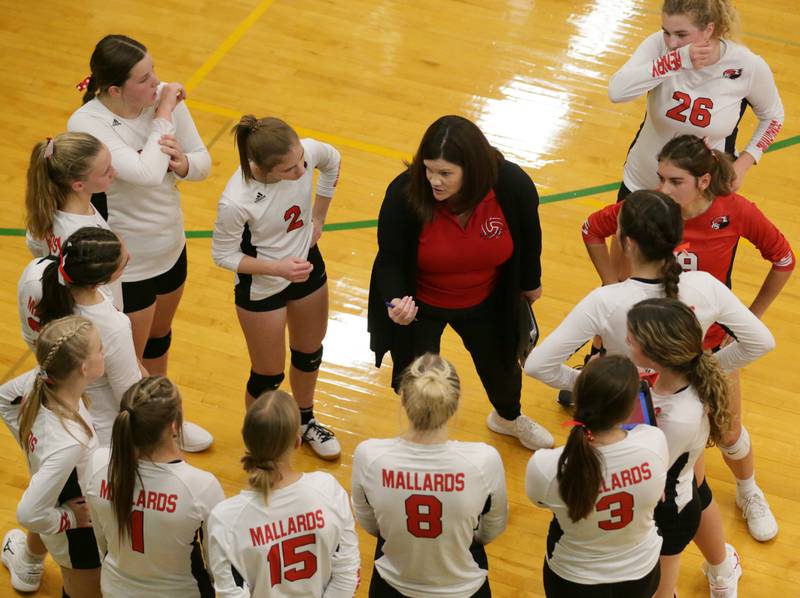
(402, 311)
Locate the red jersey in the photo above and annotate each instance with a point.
(712, 239)
(458, 267)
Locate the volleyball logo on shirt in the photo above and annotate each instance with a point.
(492, 228)
(732, 73)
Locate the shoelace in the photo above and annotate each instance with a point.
(754, 506)
(323, 434)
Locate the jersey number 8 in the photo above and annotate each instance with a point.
(424, 516)
(305, 560)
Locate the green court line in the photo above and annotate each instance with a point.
(585, 192)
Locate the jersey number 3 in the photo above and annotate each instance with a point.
(700, 115)
(620, 510)
(424, 516)
(292, 216)
(287, 562)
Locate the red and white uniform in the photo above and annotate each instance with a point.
(64, 224)
(11, 395)
(618, 540)
(272, 221)
(604, 312)
(303, 543)
(712, 239)
(56, 448)
(707, 102)
(119, 355)
(143, 201)
(429, 502)
(171, 504)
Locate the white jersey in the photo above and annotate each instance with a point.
(64, 224)
(271, 221)
(56, 448)
(162, 552)
(143, 201)
(303, 543)
(11, 395)
(707, 102)
(429, 502)
(119, 355)
(684, 421)
(604, 312)
(618, 540)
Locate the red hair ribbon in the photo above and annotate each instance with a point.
(681, 248)
(84, 83)
(586, 430)
(63, 278)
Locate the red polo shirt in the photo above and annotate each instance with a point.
(459, 267)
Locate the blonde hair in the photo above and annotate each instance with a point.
(702, 12)
(671, 336)
(429, 391)
(262, 141)
(270, 430)
(62, 347)
(50, 177)
(146, 410)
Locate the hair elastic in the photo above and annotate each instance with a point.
(49, 148)
(84, 83)
(586, 430)
(44, 376)
(63, 278)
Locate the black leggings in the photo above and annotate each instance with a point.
(558, 587)
(480, 328)
(378, 588)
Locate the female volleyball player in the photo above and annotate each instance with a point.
(691, 397)
(433, 503)
(697, 81)
(602, 487)
(700, 180)
(55, 431)
(290, 533)
(149, 506)
(267, 231)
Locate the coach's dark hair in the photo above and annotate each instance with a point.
(271, 429)
(262, 141)
(459, 141)
(669, 334)
(91, 256)
(50, 177)
(604, 395)
(112, 60)
(653, 220)
(690, 153)
(148, 410)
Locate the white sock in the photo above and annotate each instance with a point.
(746, 487)
(723, 570)
(30, 557)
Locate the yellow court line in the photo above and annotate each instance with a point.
(229, 42)
(334, 140)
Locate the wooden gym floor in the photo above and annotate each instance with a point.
(369, 77)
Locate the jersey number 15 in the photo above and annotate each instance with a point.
(288, 561)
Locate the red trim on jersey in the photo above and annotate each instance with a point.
(459, 267)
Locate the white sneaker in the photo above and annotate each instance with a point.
(321, 440)
(527, 431)
(760, 520)
(722, 587)
(25, 576)
(194, 438)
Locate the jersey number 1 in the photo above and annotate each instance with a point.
(288, 549)
(700, 116)
(137, 531)
(424, 516)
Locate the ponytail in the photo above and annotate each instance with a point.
(90, 91)
(270, 430)
(147, 409)
(62, 347)
(711, 384)
(112, 60)
(54, 165)
(605, 394)
(429, 392)
(690, 153)
(671, 275)
(89, 257)
(263, 142)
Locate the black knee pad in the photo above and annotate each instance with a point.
(156, 347)
(307, 362)
(258, 384)
(704, 492)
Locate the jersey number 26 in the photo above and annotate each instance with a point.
(700, 115)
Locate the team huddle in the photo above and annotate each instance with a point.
(111, 496)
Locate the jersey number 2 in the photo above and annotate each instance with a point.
(620, 508)
(288, 549)
(292, 216)
(700, 116)
(424, 516)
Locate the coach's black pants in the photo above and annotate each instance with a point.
(480, 329)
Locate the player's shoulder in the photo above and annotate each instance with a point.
(373, 448)
(648, 438)
(97, 466)
(321, 482)
(229, 510)
(740, 53)
(477, 453)
(90, 114)
(543, 464)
